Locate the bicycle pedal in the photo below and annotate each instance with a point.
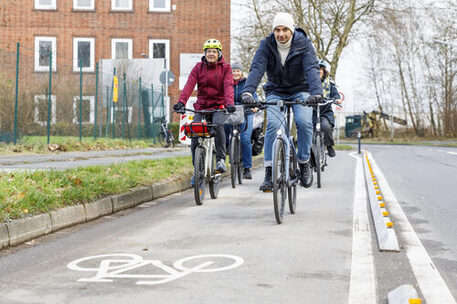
(267, 191)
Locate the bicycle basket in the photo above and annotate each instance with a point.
(237, 117)
(199, 129)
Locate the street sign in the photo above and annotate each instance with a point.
(171, 77)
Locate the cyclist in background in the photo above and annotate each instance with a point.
(288, 57)
(246, 127)
(215, 89)
(326, 112)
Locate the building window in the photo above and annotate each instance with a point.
(83, 4)
(121, 49)
(84, 50)
(45, 4)
(43, 47)
(159, 5)
(87, 109)
(121, 5)
(160, 49)
(41, 109)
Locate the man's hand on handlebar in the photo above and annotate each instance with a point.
(247, 99)
(315, 99)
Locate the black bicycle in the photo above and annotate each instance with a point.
(285, 172)
(165, 136)
(205, 155)
(318, 147)
(236, 169)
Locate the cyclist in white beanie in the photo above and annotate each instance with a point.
(288, 57)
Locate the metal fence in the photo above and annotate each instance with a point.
(42, 97)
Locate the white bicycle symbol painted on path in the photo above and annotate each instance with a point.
(117, 266)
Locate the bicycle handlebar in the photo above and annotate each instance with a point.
(183, 110)
(281, 103)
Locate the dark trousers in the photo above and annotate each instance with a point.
(327, 129)
(216, 118)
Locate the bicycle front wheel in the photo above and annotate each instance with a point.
(199, 176)
(318, 161)
(279, 180)
(293, 174)
(238, 160)
(170, 139)
(215, 178)
(163, 140)
(233, 162)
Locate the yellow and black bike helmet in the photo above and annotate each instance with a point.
(212, 44)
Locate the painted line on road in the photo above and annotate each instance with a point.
(431, 283)
(452, 153)
(362, 286)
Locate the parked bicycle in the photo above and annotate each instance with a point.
(205, 155)
(166, 138)
(285, 172)
(318, 148)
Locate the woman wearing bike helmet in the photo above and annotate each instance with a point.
(215, 89)
(326, 112)
(246, 127)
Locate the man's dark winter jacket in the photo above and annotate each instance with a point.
(300, 72)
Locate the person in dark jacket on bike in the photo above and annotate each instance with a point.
(215, 89)
(326, 112)
(288, 57)
(246, 127)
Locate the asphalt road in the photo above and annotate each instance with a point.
(424, 180)
(229, 250)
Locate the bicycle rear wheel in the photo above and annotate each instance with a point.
(163, 139)
(238, 160)
(279, 180)
(199, 176)
(233, 162)
(318, 161)
(215, 178)
(293, 171)
(170, 139)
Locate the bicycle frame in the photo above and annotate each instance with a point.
(208, 145)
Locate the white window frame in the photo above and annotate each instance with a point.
(84, 8)
(53, 109)
(91, 68)
(91, 100)
(114, 8)
(167, 49)
(119, 110)
(154, 9)
(53, 40)
(113, 47)
(52, 6)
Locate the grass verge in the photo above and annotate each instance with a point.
(31, 193)
(343, 147)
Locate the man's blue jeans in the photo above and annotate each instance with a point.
(245, 136)
(303, 120)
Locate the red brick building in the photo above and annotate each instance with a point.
(90, 30)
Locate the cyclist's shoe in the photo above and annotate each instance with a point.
(220, 166)
(267, 185)
(192, 181)
(306, 175)
(331, 151)
(247, 173)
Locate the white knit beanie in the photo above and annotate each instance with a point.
(284, 19)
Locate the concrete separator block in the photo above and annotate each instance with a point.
(67, 216)
(402, 295)
(123, 201)
(167, 188)
(143, 195)
(99, 208)
(28, 228)
(4, 237)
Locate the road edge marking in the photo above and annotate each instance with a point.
(362, 284)
(432, 285)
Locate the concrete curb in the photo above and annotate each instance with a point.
(19, 231)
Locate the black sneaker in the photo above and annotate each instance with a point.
(267, 185)
(306, 175)
(331, 151)
(247, 173)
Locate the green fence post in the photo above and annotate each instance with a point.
(152, 113)
(80, 97)
(96, 100)
(49, 95)
(15, 100)
(139, 109)
(108, 111)
(124, 106)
